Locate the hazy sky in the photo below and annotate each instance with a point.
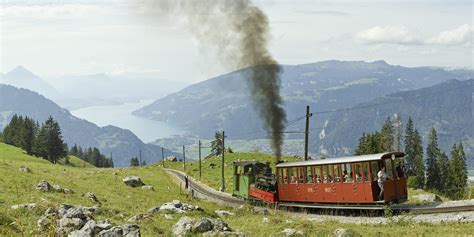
(84, 37)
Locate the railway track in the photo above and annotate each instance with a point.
(227, 199)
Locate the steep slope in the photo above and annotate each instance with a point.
(121, 142)
(223, 103)
(447, 106)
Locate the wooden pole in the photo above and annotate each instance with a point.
(222, 170)
(306, 133)
(163, 156)
(199, 159)
(140, 156)
(184, 159)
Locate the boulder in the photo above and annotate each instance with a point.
(168, 216)
(183, 226)
(133, 181)
(428, 198)
(80, 233)
(222, 213)
(343, 233)
(131, 230)
(112, 232)
(203, 225)
(43, 223)
(28, 206)
(57, 188)
(148, 187)
(67, 191)
(44, 186)
(24, 169)
(154, 209)
(220, 225)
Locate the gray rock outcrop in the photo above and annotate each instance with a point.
(133, 181)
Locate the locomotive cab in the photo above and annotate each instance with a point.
(252, 174)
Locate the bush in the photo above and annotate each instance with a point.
(413, 182)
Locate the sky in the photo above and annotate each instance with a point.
(56, 38)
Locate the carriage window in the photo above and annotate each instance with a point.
(309, 175)
(301, 174)
(292, 175)
(337, 173)
(357, 172)
(374, 165)
(317, 174)
(326, 175)
(365, 169)
(285, 175)
(346, 173)
(280, 176)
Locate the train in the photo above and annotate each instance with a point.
(343, 180)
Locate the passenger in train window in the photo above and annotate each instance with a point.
(293, 180)
(358, 177)
(309, 179)
(325, 179)
(400, 173)
(382, 177)
(318, 179)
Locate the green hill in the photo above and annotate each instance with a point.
(76, 162)
(120, 202)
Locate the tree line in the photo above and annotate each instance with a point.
(437, 172)
(91, 155)
(46, 141)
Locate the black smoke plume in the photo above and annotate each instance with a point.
(239, 31)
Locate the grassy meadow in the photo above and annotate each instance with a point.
(120, 202)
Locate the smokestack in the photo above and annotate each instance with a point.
(239, 31)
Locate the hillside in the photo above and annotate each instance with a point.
(447, 106)
(222, 103)
(120, 202)
(121, 142)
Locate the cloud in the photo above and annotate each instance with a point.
(48, 11)
(459, 36)
(387, 35)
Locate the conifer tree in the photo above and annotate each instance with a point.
(432, 169)
(134, 162)
(55, 143)
(410, 148)
(418, 163)
(216, 144)
(387, 136)
(443, 164)
(458, 172)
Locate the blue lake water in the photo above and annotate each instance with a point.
(120, 115)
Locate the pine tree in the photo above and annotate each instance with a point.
(443, 164)
(40, 144)
(410, 148)
(458, 172)
(216, 144)
(387, 136)
(432, 169)
(143, 163)
(418, 163)
(134, 162)
(55, 143)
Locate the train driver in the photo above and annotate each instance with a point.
(381, 178)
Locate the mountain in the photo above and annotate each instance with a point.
(103, 89)
(448, 107)
(121, 142)
(223, 103)
(23, 78)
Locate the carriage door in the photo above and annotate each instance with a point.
(358, 184)
(389, 187)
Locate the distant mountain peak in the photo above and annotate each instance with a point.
(380, 62)
(20, 71)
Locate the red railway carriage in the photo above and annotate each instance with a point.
(342, 180)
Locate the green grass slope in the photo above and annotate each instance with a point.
(120, 202)
(75, 162)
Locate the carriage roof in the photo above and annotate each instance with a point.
(348, 159)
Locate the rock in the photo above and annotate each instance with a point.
(133, 181)
(43, 223)
(24, 169)
(68, 225)
(44, 186)
(263, 212)
(29, 206)
(265, 220)
(80, 233)
(171, 159)
(428, 198)
(222, 213)
(343, 233)
(168, 216)
(67, 191)
(93, 198)
(203, 225)
(131, 230)
(148, 187)
(103, 225)
(138, 217)
(183, 226)
(174, 206)
(57, 188)
(220, 225)
(112, 232)
(291, 232)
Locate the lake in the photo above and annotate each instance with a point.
(121, 116)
